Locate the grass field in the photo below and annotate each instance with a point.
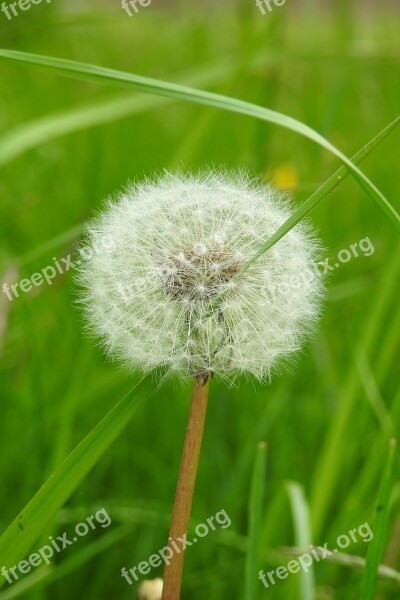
(65, 145)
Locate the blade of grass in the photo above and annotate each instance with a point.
(303, 538)
(373, 394)
(154, 86)
(39, 131)
(379, 527)
(55, 242)
(235, 480)
(32, 134)
(320, 194)
(333, 452)
(37, 514)
(256, 502)
(308, 206)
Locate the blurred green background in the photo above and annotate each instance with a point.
(327, 419)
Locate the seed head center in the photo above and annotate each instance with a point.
(199, 273)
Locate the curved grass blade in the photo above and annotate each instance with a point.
(37, 514)
(162, 88)
(379, 527)
(302, 528)
(55, 242)
(319, 195)
(257, 493)
(308, 206)
(39, 131)
(30, 135)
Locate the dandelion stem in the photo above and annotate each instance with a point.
(185, 486)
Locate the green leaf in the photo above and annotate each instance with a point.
(171, 90)
(256, 503)
(303, 538)
(37, 514)
(379, 527)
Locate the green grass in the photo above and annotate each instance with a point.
(64, 146)
(255, 512)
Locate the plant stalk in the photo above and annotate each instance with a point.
(185, 487)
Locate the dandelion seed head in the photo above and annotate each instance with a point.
(171, 294)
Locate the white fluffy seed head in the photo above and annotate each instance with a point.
(169, 293)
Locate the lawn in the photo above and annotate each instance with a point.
(327, 417)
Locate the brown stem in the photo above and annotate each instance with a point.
(185, 486)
